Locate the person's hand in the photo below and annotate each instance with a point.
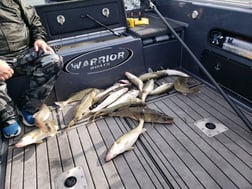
(6, 71)
(41, 44)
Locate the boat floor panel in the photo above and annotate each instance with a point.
(179, 155)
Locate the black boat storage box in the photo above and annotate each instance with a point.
(91, 37)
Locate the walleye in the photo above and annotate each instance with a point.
(135, 80)
(152, 75)
(165, 87)
(127, 99)
(148, 87)
(74, 97)
(41, 116)
(37, 135)
(111, 98)
(83, 108)
(145, 113)
(102, 95)
(180, 86)
(125, 142)
(162, 73)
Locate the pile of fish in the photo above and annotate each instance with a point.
(126, 98)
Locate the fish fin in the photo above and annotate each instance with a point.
(54, 133)
(34, 115)
(39, 141)
(45, 129)
(71, 123)
(150, 70)
(35, 135)
(60, 104)
(96, 114)
(52, 108)
(130, 148)
(143, 130)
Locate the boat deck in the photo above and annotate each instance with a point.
(166, 156)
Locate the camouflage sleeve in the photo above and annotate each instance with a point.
(37, 31)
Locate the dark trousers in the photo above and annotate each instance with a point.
(42, 70)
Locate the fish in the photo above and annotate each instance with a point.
(37, 135)
(145, 113)
(125, 142)
(129, 102)
(41, 116)
(135, 80)
(152, 75)
(148, 87)
(111, 98)
(102, 95)
(162, 73)
(127, 99)
(43, 113)
(165, 87)
(74, 97)
(83, 108)
(181, 86)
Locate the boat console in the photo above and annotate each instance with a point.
(97, 46)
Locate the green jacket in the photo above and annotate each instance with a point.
(20, 26)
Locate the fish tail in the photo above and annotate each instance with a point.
(143, 98)
(71, 123)
(143, 130)
(176, 72)
(61, 104)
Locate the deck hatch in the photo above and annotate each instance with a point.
(73, 178)
(210, 126)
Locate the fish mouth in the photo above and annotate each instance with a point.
(109, 157)
(18, 145)
(124, 81)
(106, 159)
(169, 122)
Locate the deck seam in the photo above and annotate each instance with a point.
(225, 136)
(49, 165)
(108, 148)
(192, 156)
(124, 131)
(159, 168)
(85, 157)
(236, 119)
(163, 162)
(98, 157)
(224, 158)
(150, 156)
(224, 116)
(199, 148)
